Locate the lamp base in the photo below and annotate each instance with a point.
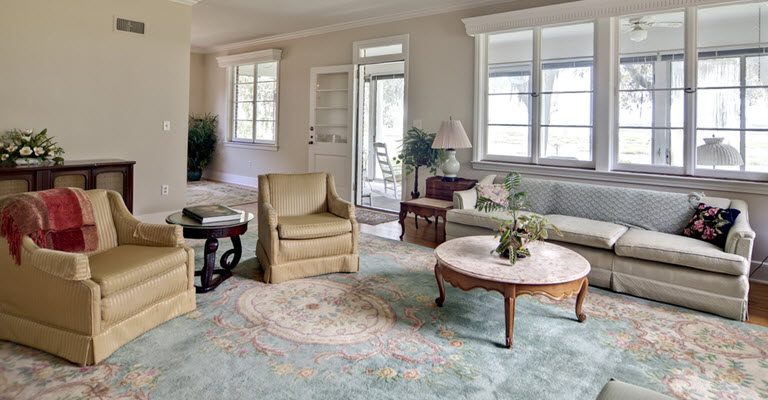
(451, 166)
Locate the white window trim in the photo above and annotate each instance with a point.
(252, 58)
(605, 13)
(402, 40)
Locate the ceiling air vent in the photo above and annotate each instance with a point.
(126, 25)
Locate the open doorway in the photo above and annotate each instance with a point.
(381, 119)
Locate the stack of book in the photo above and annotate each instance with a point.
(212, 214)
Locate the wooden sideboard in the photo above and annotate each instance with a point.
(439, 189)
(114, 175)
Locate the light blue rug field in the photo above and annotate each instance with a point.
(378, 335)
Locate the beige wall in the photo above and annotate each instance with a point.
(440, 84)
(197, 83)
(102, 94)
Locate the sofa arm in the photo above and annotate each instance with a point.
(131, 231)
(741, 237)
(465, 199)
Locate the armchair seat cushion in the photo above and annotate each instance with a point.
(312, 226)
(679, 250)
(123, 267)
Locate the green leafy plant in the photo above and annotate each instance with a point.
(201, 143)
(28, 147)
(416, 151)
(522, 229)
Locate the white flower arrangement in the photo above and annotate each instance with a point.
(29, 147)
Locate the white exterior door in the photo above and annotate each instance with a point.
(331, 123)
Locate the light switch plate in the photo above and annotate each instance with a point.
(166, 126)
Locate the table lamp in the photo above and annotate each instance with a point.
(716, 153)
(450, 137)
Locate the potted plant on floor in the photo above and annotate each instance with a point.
(201, 144)
(524, 228)
(416, 152)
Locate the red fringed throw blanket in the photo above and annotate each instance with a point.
(56, 219)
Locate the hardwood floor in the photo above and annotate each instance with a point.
(425, 236)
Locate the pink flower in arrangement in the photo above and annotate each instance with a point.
(698, 226)
(713, 211)
(702, 206)
(687, 232)
(709, 234)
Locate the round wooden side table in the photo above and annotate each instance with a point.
(212, 233)
(551, 270)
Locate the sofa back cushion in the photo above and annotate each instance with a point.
(298, 194)
(640, 208)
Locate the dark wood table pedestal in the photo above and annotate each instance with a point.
(210, 276)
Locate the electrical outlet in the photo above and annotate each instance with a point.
(166, 126)
(164, 189)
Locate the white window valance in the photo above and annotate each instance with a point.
(571, 12)
(254, 57)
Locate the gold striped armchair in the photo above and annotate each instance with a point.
(305, 228)
(83, 307)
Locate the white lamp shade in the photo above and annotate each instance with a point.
(638, 34)
(451, 136)
(716, 153)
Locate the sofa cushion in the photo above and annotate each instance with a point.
(471, 216)
(122, 267)
(136, 299)
(586, 232)
(312, 226)
(711, 224)
(679, 250)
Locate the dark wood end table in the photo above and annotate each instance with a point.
(426, 208)
(212, 233)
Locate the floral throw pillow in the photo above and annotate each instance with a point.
(711, 224)
(494, 192)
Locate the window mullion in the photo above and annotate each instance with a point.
(743, 110)
(691, 77)
(536, 96)
(255, 96)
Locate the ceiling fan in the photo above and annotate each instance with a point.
(638, 27)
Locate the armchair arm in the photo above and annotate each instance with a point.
(67, 266)
(132, 231)
(341, 208)
(741, 237)
(268, 237)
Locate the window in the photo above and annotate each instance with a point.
(667, 82)
(732, 93)
(253, 104)
(254, 112)
(540, 114)
(651, 91)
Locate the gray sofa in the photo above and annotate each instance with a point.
(631, 238)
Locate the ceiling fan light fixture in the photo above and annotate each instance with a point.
(638, 34)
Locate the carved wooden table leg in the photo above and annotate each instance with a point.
(229, 261)
(509, 313)
(403, 215)
(209, 262)
(580, 300)
(440, 285)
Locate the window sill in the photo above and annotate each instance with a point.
(251, 146)
(690, 183)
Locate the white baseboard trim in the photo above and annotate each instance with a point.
(232, 178)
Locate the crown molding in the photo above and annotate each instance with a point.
(186, 2)
(460, 6)
(576, 11)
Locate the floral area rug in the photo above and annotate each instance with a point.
(373, 217)
(377, 334)
(209, 192)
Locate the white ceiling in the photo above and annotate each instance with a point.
(217, 22)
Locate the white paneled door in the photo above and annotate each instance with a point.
(331, 120)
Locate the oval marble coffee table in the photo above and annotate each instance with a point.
(551, 270)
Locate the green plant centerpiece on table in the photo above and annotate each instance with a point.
(25, 147)
(201, 144)
(416, 152)
(524, 228)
